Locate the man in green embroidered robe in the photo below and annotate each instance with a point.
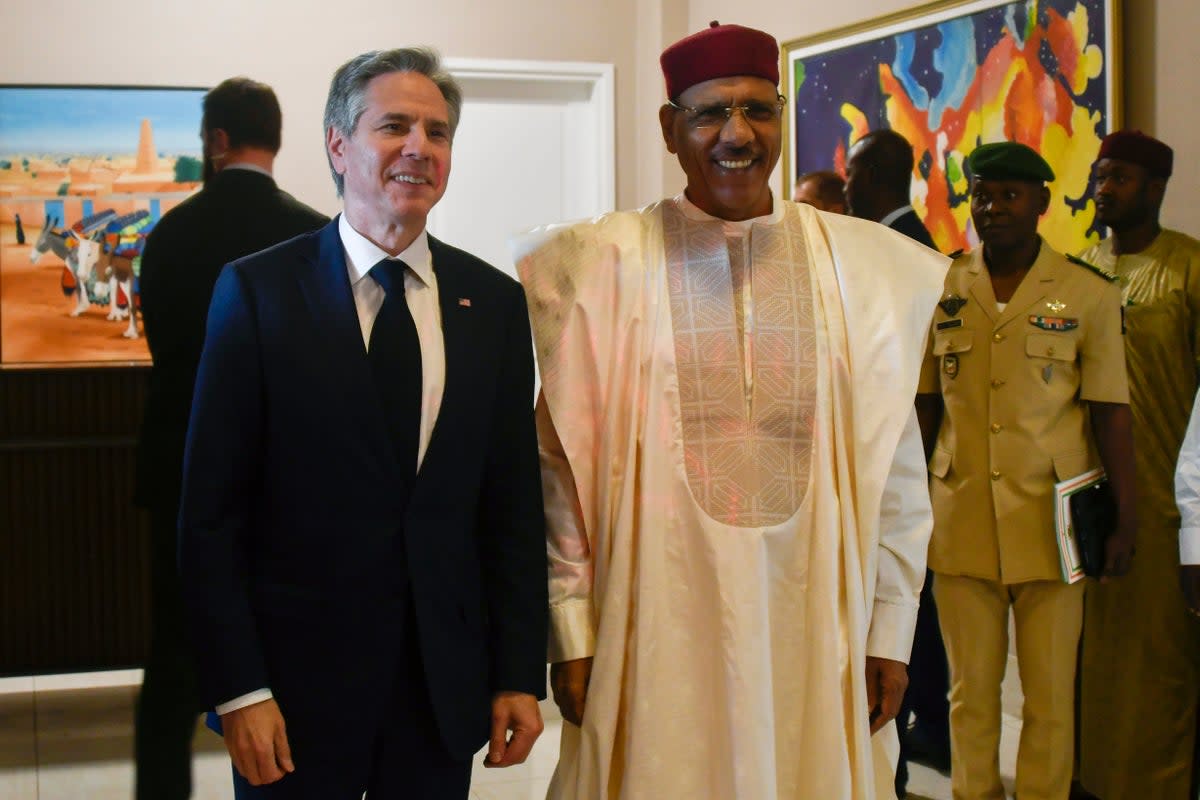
(1140, 667)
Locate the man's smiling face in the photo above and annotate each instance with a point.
(728, 162)
(396, 163)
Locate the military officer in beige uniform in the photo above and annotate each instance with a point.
(1025, 362)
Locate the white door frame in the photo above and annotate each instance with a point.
(595, 82)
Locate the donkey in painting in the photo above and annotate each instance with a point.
(100, 252)
(111, 256)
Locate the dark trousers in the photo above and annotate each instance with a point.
(928, 686)
(403, 760)
(168, 704)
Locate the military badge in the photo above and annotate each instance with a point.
(1053, 323)
(950, 365)
(949, 323)
(952, 304)
(1056, 306)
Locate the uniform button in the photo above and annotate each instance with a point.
(997, 383)
(995, 474)
(1049, 351)
(997, 427)
(998, 337)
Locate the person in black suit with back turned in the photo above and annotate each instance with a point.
(878, 180)
(239, 211)
(361, 532)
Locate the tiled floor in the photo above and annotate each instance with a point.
(71, 743)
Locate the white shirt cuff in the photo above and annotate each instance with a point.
(572, 634)
(257, 696)
(892, 630)
(1189, 545)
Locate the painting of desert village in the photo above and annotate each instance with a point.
(85, 174)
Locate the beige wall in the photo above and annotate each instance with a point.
(295, 45)
(1161, 82)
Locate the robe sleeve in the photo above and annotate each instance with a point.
(905, 525)
(568, 551)
(1102, 362)
(1192, 289)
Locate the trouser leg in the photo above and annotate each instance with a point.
(974, 622)
(929, 679)
(1049, 617)
(168, 704)
(410, 761)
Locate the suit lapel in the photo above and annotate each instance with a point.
(1039, 281)
(326, 288)
(981, 286)
(457, 339)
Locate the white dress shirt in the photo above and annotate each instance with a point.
(894, 215)
(1187, 491)
(249, 168)
(421, 293)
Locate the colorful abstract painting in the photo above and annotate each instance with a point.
(955, 75)
(85, 173)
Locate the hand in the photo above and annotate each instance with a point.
(1189, 580)
(569, 683)
(1119, 549)
(886, 682)
(257, 742)
(517, 712)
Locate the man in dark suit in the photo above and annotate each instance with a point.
(239, 211)
(361, 531)
(878, 182)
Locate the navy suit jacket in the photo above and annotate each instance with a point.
(911, 226)
(300, 544)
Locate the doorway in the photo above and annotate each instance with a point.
(535, 146)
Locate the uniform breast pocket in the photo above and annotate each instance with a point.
(1051, 346)
(951, 347)
(1052, 357)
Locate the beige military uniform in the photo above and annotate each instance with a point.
(1012, 382)
(1013, 425)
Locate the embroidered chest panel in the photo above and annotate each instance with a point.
(746, 364)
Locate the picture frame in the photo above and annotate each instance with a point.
(85, 173)
(950, 75)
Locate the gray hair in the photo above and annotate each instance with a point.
(347, 90)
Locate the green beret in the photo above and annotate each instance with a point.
(1008, 161)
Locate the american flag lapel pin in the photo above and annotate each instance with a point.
(465, 302)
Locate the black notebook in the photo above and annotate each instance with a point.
(1093, 520)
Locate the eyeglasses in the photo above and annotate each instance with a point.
(716, 115)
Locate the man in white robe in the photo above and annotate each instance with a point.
(737, 507)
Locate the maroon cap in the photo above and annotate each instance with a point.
(1138, 148)
(719, 51)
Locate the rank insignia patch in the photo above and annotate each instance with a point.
(1053, 323)
(950, 365)
(952, 304)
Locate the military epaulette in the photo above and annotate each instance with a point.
(1103, 273)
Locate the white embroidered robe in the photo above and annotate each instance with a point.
(734, 521)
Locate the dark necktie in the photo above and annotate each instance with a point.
(395, 355)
